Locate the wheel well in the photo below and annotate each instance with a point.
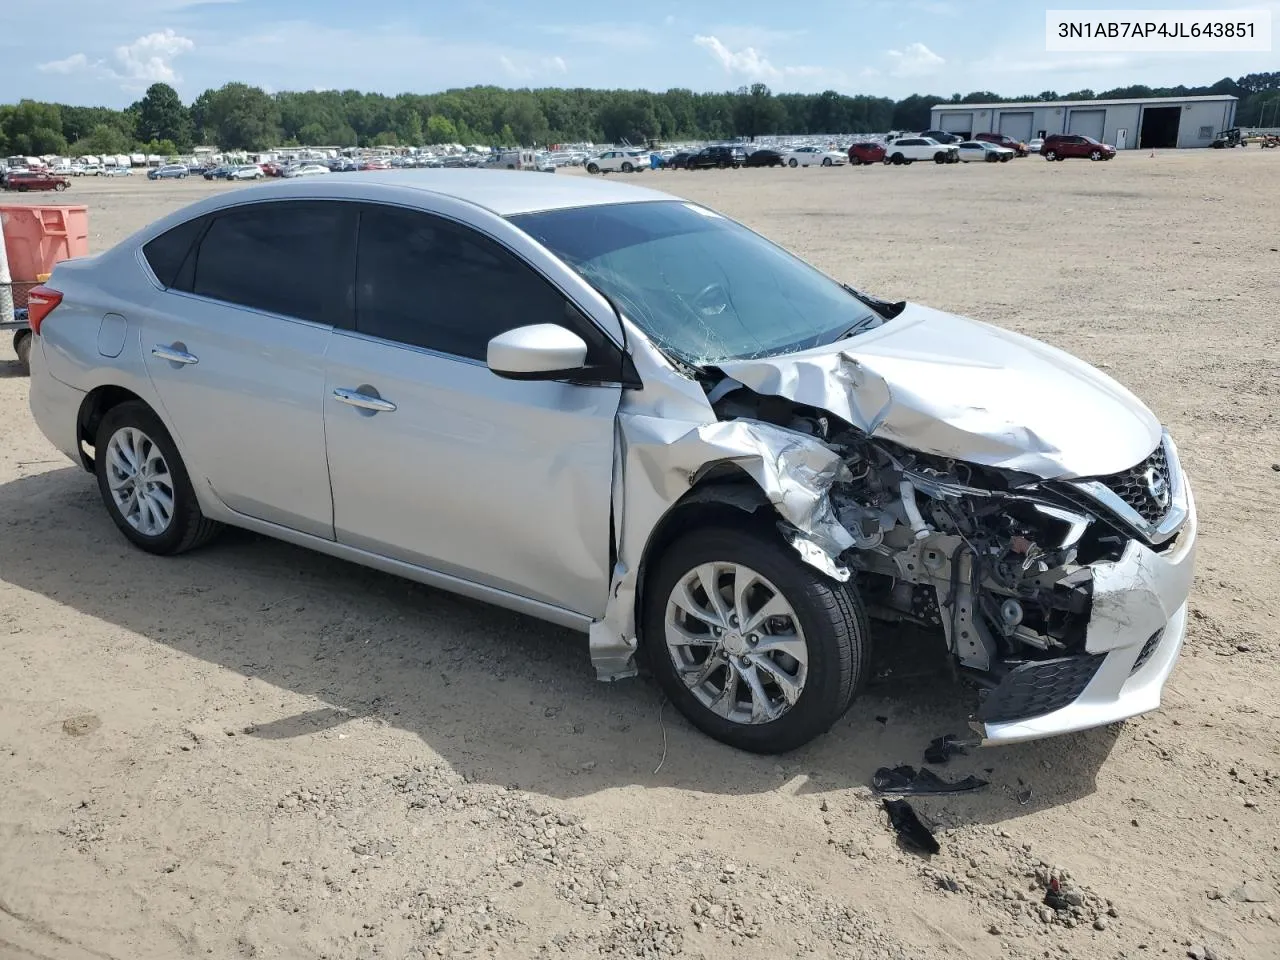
(92, 409)
(726, 496)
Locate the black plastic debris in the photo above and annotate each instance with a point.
(943, 749)
(882, 719)
(1054, 898)
(909, 780)
(911, 830)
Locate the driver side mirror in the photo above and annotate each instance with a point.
(542, 351)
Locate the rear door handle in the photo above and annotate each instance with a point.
(174, 354)
(362, 400)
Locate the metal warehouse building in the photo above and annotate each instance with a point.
(1154, 123)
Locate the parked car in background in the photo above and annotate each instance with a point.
(618, 161)
(248, 171)
(474, 382)
(92, 170)
(866, 152)
(908, 150)
(982, 151)
(218, 173)
(765, 157)
(678, 161)
(374, 163)
(815, 157)
(719, 157)
(306, 170)
(1003, 140)
(1060, 146)
(117, 172)
(170, 171)
(941, 136)
(23, 180)
(1034, 145)
(77, 169)
(272, 169)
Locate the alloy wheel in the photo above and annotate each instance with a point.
(736, 643)
(140, 483)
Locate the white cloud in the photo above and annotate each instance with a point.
(522, 69)
(614, 36)
(135, 65)
(749, 62)
(72, 64)
(147, 59)
(916, 60)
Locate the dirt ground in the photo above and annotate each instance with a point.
(254, 751)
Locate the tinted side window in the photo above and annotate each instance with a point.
(428, 282)
(165, 254)
(290, 257)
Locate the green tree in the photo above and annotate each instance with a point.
(312, 134)
(162, 116)
(102, 139)
(757, 111)
(441, 130)
(34, 129)
(523, 116)
(239, 117)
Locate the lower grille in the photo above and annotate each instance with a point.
(1034, 689)
(1148, 650)
(1147, 487)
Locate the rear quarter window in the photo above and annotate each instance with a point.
(166, 253)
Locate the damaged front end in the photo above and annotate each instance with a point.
(1062, 596)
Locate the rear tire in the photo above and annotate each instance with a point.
(793, 163)
(186, 527)
(826, 161)
(1051, 155)
(899, 159)
(593, 168)
(827, 616)
(627, 168)
(22, 347)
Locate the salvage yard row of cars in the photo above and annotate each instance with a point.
(697, 449)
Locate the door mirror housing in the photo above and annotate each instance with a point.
(542, 351)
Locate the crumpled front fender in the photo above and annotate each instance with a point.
(668, 440)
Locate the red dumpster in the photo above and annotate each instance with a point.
(37, 237)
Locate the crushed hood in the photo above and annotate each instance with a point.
(955, 387)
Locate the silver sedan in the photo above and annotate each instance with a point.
(628, 414)
(983, 152)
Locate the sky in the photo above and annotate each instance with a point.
(97, 53)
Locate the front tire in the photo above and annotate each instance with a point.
(826, 161)
(793, 163)
(593, 168)
(145, 485)
(791, 651)
(627, 168)
(1050, 155)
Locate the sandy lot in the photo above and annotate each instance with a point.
(253, 751)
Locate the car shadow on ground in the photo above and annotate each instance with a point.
(11, 369)
(503, 698)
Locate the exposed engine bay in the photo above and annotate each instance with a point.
(996, 560)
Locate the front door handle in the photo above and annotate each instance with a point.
(176, 353)
(362, 400)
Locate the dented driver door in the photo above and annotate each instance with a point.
(435, 460)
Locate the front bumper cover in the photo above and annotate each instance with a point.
(1135, 633)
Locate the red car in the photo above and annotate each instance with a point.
(1003, 140)
(272, 169)
(32, 180)
(1059, 146)
(861, 153)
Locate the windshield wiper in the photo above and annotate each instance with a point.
(885, 308)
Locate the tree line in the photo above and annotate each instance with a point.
(241, 116)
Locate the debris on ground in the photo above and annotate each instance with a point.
(911, 830)
(942, 749)
(908, 780)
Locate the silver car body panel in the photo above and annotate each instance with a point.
(955, 387)
(552, 463)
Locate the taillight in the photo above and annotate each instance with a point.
(40, 303)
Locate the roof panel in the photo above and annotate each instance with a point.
(966, 107)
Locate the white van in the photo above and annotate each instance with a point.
(517, 160)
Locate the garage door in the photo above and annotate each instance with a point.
(1016, 125)
(957, 123)
(1087, 123)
